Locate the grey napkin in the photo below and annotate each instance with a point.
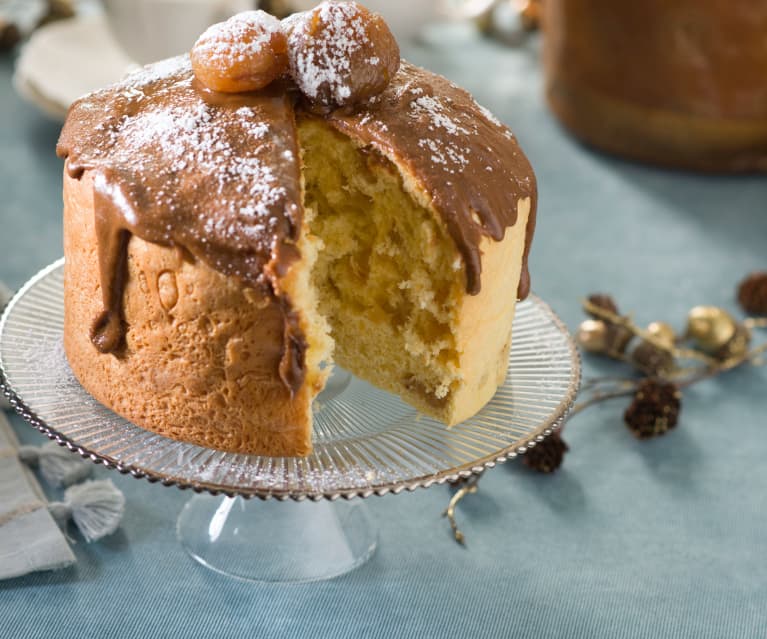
(30, 540)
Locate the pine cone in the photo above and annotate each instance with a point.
(752, 293)
(655, 409)
(546, 456)
(652, 360)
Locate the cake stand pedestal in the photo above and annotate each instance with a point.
(291, 542)
(366, 442)
(283, 542)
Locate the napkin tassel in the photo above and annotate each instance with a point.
(58, 465)
(96, 507)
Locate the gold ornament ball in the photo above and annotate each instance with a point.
(711, 327)
(592, 336)
(663, 332)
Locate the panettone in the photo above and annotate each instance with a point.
(222, 250)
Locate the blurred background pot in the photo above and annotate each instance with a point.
(680, 84)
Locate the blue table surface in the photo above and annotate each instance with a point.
(664, 538)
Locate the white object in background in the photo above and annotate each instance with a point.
(406, 18)
(151, 30)
(67, 59)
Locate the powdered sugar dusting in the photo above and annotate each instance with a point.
(448, 124)
(448, 132)
(172, 67)
(486, 112)
(133, 86)
(193, 139)
(489, 115)
(439, 115)
(206, 175)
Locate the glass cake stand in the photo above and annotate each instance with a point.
(366, 442)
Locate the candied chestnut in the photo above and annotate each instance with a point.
(341, 53)
(246, 53)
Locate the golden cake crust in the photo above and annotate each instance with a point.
(201, 350)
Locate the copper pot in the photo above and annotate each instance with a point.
(681, 83)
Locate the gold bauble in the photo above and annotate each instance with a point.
(592, 336)
(711, 327)
(663, 332)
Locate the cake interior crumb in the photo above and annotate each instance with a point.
(384, 272)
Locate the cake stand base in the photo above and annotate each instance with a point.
(277, 542)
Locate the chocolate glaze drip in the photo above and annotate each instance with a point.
(219, 176)
(108, 330)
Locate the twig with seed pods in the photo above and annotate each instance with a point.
(721, 344)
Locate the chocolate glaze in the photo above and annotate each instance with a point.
(465, 159)
(219, 176)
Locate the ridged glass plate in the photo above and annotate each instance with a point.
(366, 441)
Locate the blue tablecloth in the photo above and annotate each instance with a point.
(659, 539)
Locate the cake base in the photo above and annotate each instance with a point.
(660, 137)
(247, 540)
